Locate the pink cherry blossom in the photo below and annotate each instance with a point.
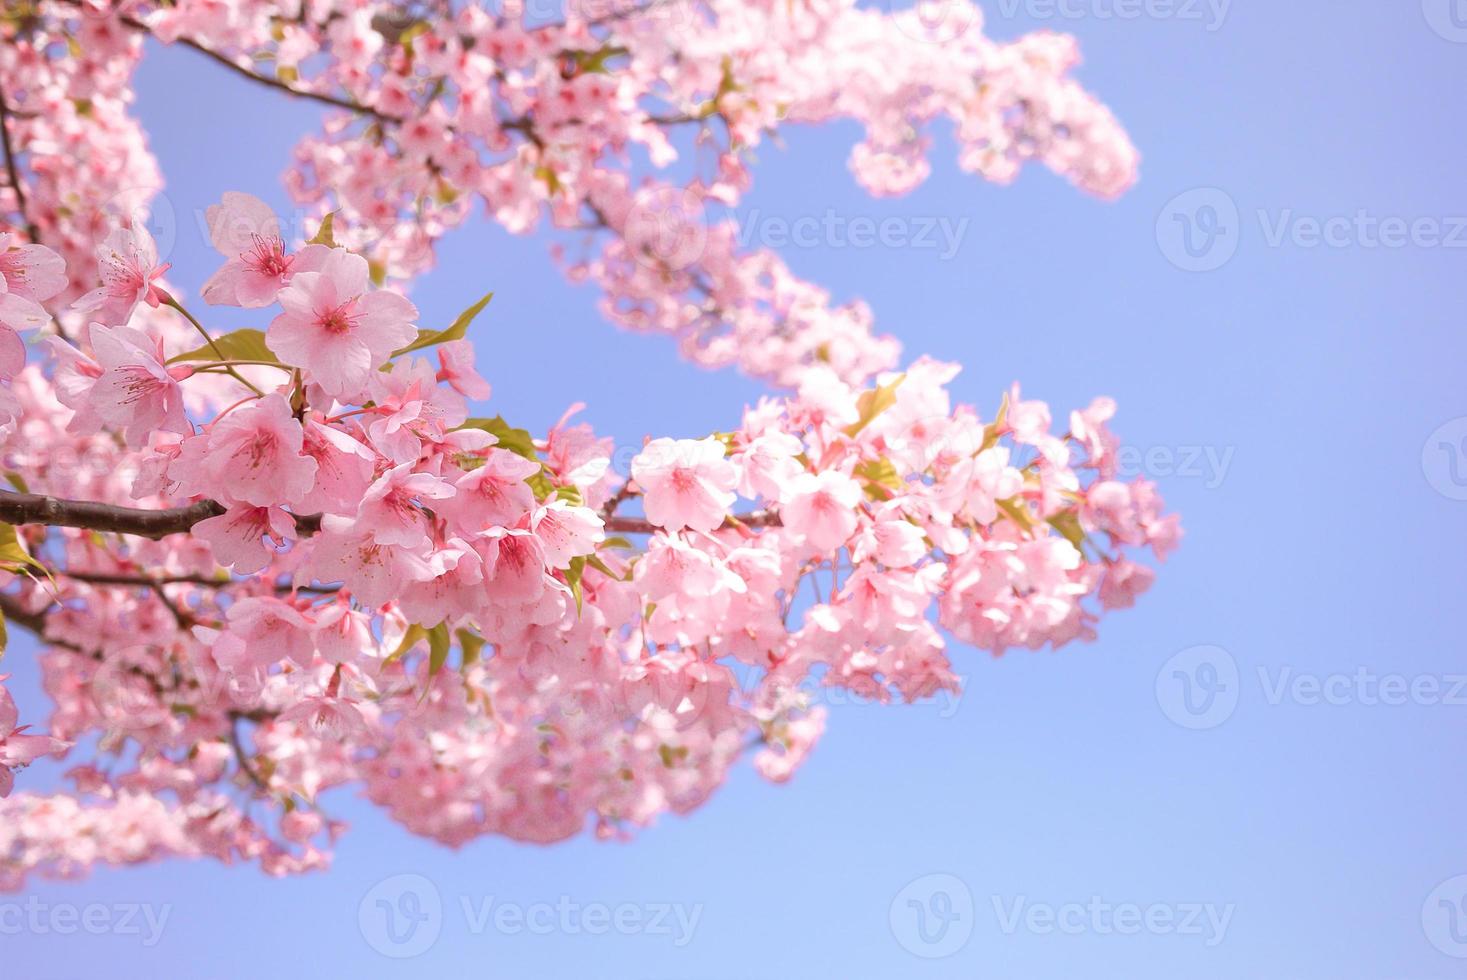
(685, 483)
(335, 328)
(239, 536)
(247, 233)
(253, 455)
(137, 392)
(823, 508)
(494, 494)
(128, 264)
(18, 750)
(483, 629)
(391, 510)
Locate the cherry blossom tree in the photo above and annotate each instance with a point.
(266, 563)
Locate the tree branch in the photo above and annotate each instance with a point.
(12, 173)
(34, 508)
(636, 525)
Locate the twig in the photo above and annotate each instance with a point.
(34, 508)
(12, 172)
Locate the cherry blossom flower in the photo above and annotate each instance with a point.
(472, 623)
(247, 233)
(238, 537)
(137, 392)
(685, 483)
(29, 274)
(390, 511)
(17, 749)
(128, 264)
(823, 508)
(337, 330)
(253, 455)
(493, 495)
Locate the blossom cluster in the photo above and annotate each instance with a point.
(274, 562)
(431, 114)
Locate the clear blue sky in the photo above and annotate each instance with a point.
(1323, 546)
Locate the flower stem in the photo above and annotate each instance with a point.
(212, 345)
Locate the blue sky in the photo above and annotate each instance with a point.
(1225, 766)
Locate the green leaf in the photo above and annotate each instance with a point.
(4, 635)
(880, 475)
(326, 235)
(409, 639)
(240, 345)
(472, 645)
(438, 644)
(17, 481)
(454, 331)
(541, 485)
(573, 578)
(872, 403)
(1015, 510)
(992, 430)
(518, 441)
(1067, 523)
(13, 555)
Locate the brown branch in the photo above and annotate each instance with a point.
(12, 172)
(636, 525)
(34, 508)
(34, 622)
(238, 69)
(240, 757)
